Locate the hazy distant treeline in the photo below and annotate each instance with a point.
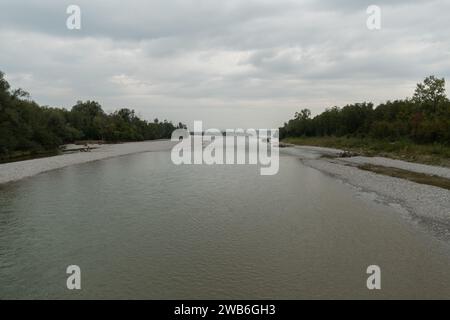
(424, 118)
(27, 127)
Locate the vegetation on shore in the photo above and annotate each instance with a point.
(417, 177)
(414, 129)
(28, 129)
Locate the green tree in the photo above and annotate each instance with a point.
(424, 119)
(430, 93)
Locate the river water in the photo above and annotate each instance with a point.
(141, 227)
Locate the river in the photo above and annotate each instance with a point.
(141, 227)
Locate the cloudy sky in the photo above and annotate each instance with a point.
(233, 63)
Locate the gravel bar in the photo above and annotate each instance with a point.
(23, 169)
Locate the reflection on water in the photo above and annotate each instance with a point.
(141, 227)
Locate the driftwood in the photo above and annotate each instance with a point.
(348, 154)
(83, 149)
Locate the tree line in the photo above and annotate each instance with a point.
(424, 118)
(28, 128)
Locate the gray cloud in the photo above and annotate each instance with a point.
(229, 63)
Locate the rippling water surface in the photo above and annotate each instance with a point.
(141, 227)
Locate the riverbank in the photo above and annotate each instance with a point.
(14, 171)
(431, 154)
(22, 156)
(423, 203)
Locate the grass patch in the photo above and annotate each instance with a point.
(434, 154)
(408, 175)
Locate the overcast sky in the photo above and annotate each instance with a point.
(246, 63)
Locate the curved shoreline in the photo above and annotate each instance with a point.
(424, 203)
(15, 171)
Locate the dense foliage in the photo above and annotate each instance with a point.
(26, 127)
(424, 118)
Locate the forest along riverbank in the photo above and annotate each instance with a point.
(424, 204)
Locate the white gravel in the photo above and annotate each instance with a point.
(19, 170)
(309, 152)
(422, 202)
(386, 162)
